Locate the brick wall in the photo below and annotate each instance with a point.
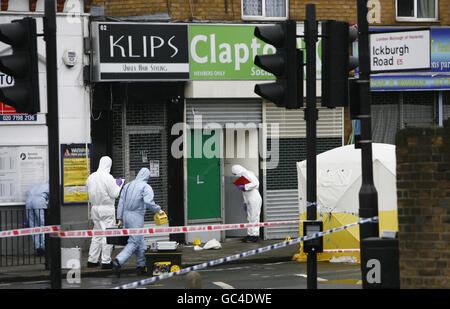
(179, 10)
(230, 10)
(423, 190)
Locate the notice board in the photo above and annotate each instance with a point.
(76, 165)
(21, 167)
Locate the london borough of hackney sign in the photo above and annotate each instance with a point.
(400, 50)
(136, 51)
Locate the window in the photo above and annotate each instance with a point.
(417, 10)
(264, 9)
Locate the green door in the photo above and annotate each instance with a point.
(203, 173)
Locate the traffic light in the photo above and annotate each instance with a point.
(336, 62)
(22, 65)
(286, 64)
(354, 89)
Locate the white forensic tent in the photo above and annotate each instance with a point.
(338, 183)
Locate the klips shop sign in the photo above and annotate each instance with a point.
(135, 51)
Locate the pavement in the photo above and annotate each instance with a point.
(190, 257)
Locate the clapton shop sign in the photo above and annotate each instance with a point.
(139, 52)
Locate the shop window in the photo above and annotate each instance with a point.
(393, 111)
(419, 108)
(264, 9)
(386, 116)
(417, 10)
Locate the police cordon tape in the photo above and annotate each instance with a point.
(55, 231)
(169, 230)
(244, 254)
(30, 231)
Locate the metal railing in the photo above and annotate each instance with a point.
(22, 250)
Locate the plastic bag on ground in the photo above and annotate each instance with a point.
(211, 244)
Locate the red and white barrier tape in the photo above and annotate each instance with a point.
(56, 232)
(29, 231)
(167, 230)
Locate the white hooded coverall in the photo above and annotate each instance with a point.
(251, 197)
(36, 203)
(102, 191)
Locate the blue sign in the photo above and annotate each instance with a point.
(409, 82)
(438, 78)
(440, 50)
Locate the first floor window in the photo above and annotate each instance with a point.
(264, 9)
(417, 10)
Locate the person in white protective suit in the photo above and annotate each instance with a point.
(135, 198)
(252, 200)
(103, 189)
(36, 202)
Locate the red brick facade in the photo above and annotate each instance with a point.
(32, 5)
(230, 10)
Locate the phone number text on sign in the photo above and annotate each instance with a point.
(8, 113)
(18, 117)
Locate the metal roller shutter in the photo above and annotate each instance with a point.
(292, 123)
(280, 183)
(224, 111)
(446, 105)
(283, 207)
(140, 137)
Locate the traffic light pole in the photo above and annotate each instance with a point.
(368, 197)
(383, 251)
(311, 116)
(54, 213)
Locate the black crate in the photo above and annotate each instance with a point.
(153, 256)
